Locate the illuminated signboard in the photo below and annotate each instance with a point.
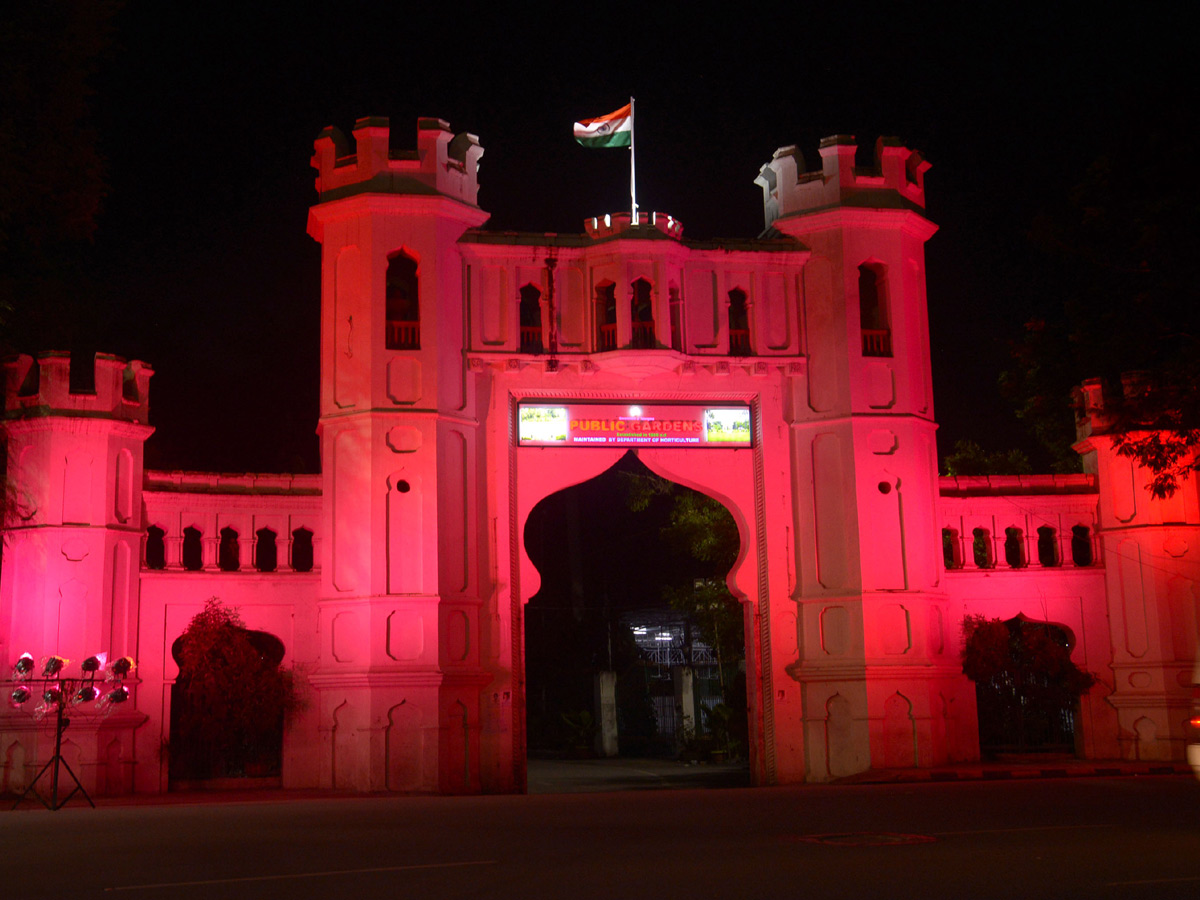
(542, 424)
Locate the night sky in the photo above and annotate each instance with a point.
(205, 116)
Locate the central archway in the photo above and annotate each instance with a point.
(727, 476)
(633, 645)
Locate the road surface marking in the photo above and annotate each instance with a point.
(176, 884)
(1027, 828)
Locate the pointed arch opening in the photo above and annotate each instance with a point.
(403, 311)
(266, 553)
(641, 316)
(302, 550)
(229, 551)
(192, 553)
(1027, 687)
(229, 701)
(530, 313)
(874, 315)
(634, 644)
(156, 548)
(739, 324)
(606, 316)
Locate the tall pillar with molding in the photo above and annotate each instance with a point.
(73, 533)
(399, 677)
(1152, 565)
(880, 683)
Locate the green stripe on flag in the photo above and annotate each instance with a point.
(600, 141)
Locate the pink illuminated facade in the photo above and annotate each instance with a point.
(466, 375)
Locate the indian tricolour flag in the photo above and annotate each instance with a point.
(612, 130)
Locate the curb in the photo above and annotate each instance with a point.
(1002, 772)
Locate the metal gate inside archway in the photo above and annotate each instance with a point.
(1029, 706)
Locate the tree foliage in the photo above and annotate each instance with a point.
(702, 528)
(1024, 655)
(233, 695)
(1118, 295)
(968, 458)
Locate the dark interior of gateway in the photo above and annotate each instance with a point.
(634, 588)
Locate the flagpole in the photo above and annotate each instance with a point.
(632, 167)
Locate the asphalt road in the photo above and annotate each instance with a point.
(1080, 837)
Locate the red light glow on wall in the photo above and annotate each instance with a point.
(613, 425)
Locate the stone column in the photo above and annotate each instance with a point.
(606, 713)
(685, 699)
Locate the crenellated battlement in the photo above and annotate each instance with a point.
(895, 181)
(443, 163)
(42, 387)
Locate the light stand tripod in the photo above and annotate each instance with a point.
(56, 693)
(52, 765)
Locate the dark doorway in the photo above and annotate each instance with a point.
(226, 713)
(622, 593)
(1029, 705)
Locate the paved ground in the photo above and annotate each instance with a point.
(589, 775)
(1035, 839)
(608, 775)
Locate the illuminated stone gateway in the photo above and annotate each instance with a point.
(467, 375)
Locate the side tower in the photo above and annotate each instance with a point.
(1152, 565)
(877, 664)
(398, 677)
(72, 531)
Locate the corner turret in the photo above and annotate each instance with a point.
(1153, 544)
(443, 163)
(896, 181)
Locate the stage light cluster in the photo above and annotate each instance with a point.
(57, 690)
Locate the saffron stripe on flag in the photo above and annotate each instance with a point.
(612, 130)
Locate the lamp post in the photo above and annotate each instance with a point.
(58, 691)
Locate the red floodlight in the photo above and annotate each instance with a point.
(117, 695)
(24, 667)
(122, 666)
(52, 694)
(94, 663)
(52, 665)
(85, 694)
(20, 695)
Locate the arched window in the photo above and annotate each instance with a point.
(193, 556)
(676, 308)
(1081, 546)
(531, 319)
(873, 311)
(227, 553)
(739, 324)
(606, 317)
(266, 554)
(403, 309)
(302, 550)
(641, 316)
(156, 548)
(981, 548)
(951, 549)
(1014, 547)
(1047, 546)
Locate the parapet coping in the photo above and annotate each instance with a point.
(185, 482)
(997, 485)
(777, 243)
